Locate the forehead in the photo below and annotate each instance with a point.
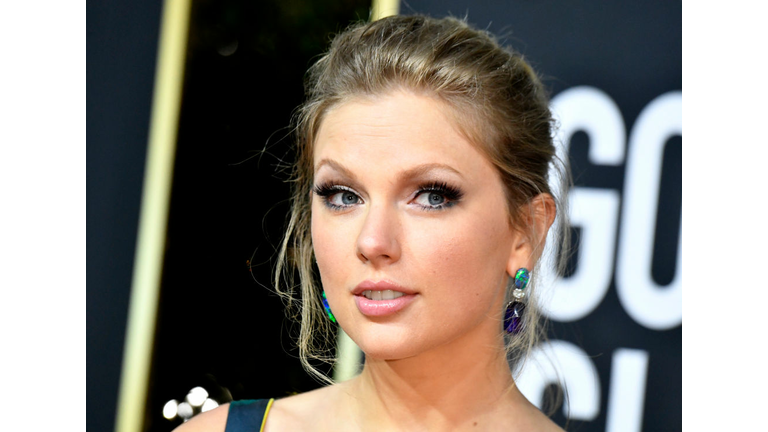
(398, 130)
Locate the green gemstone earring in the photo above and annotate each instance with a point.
(328, 308)
(521, 278)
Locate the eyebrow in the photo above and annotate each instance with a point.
(336, 166)
(416, 171)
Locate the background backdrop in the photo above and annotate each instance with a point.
(615, 74)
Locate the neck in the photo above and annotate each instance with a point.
(459, 384)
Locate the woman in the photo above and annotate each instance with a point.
(421, 194)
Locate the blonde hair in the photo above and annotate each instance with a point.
(504, 111)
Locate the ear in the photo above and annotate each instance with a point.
(536, 217)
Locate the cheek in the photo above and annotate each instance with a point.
(329, 244)
(320, 244)
(468, 259)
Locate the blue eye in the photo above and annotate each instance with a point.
(436, 199)
(337, 197)
(430, 199)
(433, 196)
(346, 198)
(437, 196)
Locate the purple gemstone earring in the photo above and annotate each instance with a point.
(513, 316)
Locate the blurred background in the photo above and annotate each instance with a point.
(615, 74)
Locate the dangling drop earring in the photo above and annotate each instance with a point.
(513, 316)
(328, 308)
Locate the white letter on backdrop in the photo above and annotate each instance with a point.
(651, 305)
(627, 392)
(590, 110)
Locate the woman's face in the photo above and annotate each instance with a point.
(403, 202)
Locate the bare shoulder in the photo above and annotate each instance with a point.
(298, 412)
(547, 425)
(540, 422)
(302, 411)
(214, 420)
(528, 417)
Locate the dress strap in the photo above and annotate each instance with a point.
(248, 415)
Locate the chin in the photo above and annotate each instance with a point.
(388, 342)
(389, 353)
(399, 341)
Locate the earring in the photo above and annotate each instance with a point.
(513, 316)
(328, 308)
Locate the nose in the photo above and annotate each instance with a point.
(378, 242)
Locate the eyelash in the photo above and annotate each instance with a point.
(451, 194)
(328, 190)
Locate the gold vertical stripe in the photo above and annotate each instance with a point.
(348, 354)
(384, 8)
(266, 413)
(153, 219)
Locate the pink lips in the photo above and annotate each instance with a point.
(377, 308)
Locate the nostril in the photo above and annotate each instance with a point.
(362, 257)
